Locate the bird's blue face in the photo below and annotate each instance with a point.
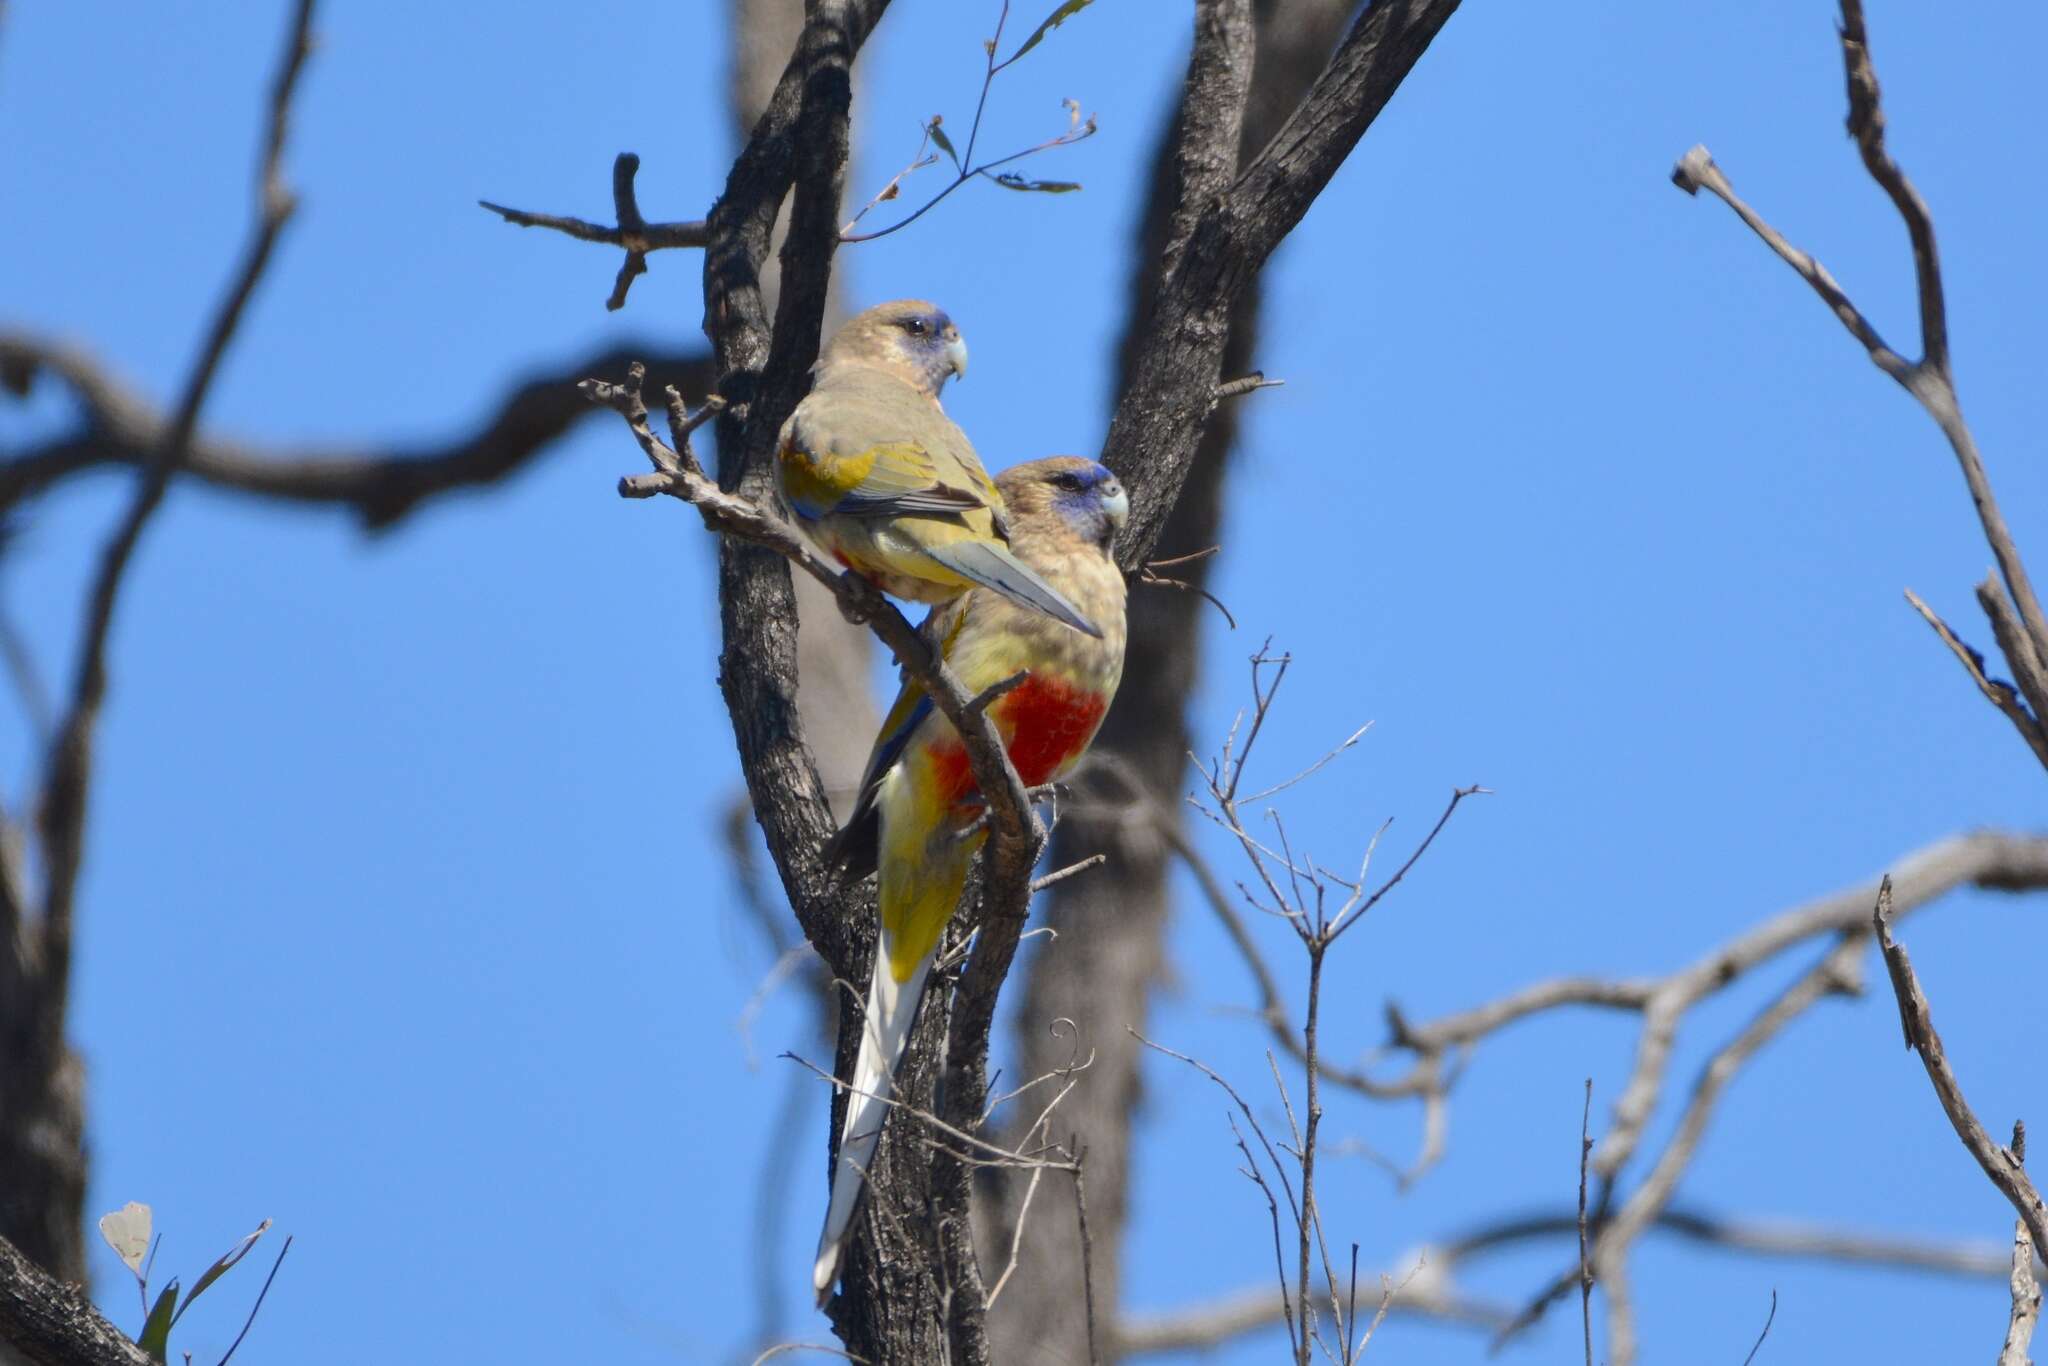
(1090, 498)
(927, 341)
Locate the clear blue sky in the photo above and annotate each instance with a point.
(405, 922)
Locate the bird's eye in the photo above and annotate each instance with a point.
(914, 326)
(1070, 482)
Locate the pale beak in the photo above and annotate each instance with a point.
(956, 356)
(1116, 505)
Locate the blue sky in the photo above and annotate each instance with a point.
(405, 921)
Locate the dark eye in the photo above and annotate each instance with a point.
(914, 326)
(1070, 482)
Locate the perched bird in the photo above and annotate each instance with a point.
(886, 484)
(919, 794)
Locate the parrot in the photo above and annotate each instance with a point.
(918, 799)
(876, 474)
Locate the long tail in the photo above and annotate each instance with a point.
(919, 885)
(991, 566)
(892, 1009)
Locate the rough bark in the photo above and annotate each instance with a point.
(834, 657)
(48, 1322)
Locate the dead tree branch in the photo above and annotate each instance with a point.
(2025, 1286)
(1433, 1293)
(1996, 861)
(2002, 1165)
(42, 1166)
(1835, 974)
(2024, 639)
(631, 232)
(380, 486)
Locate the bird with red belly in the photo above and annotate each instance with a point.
(919, 796)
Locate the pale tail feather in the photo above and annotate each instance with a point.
(991, 566)
(891, 1011)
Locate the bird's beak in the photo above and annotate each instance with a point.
(1116, 505)
(956, 356)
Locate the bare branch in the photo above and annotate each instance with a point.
(1088, 1246)
(1245, 384)
(381, 486)
(2026, 1289)
(1997, 691)
(1773, 1238)
(1432, 1296)
(1928, 379)
(1585, 1266)
(2001, 862)
(1062, 874)
(1835, 974)
(1252, 1309)
(632, 232)
(2001, 1165)
(35, 961)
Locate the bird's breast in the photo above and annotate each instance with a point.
(1049, 722)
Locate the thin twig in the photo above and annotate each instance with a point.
(1087, 1244)
(1769, 1319)
(1246, 384)
(964, 166)
(822, 1348)
(1585, 1267)
(257, 1307)
(68, 772)
(1061, 875)
(1997, 691)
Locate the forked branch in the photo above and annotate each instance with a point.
(1929, 379)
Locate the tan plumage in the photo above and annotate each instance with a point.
(875, 472)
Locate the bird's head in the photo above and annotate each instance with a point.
(1065, 492)
(910, 338)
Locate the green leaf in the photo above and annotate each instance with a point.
(945, 144)
(156, 1332)
(1052, 21)
(1011, 181)
(127, 1232)
(222, 1267)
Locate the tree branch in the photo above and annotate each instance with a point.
(1228, 236)
(2001, 1165)
(2003, 862)
(632, 232)
(45, 1322)
(35, 975)
(380, 486)
(1929, 379)
(1433, 1293)
(2024, 1286)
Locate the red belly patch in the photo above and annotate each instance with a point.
(1049, 721)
